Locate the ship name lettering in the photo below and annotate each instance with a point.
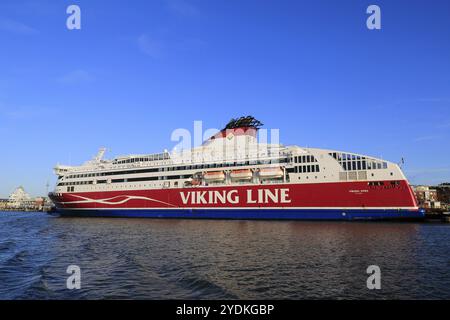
(260, 196)
(265, 196)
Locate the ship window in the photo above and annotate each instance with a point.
(317, 168)
(344, 165)
(364, 165)
(359, 165)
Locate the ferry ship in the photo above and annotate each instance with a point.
(234, 176)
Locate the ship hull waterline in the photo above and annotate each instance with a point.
(251, 214)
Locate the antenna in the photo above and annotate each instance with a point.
(100, 154)
(402, 162)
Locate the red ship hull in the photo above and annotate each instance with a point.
(342, 200)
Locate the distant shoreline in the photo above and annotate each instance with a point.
(33, 210)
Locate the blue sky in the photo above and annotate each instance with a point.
(137, 70)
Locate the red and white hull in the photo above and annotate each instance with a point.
(342, 200)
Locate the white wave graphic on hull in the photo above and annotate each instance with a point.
(110, 202)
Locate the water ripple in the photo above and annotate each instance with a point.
(188, 259)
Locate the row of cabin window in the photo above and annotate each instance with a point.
(355, 162)
(162, 156)
(381, 183)
(346, 156)
(76, 183)
(304, 159)
(307, 169)
(363, 165)
(191, 167)
(304, 169)
(166, 184)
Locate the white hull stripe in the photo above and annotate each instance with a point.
(108, 201)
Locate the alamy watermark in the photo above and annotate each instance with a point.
(232, 144)
(374, 280)
(73, 22)
(74, 280)
(374, 20)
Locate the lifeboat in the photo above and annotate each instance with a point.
(271, 173)
(214, 176)
(245, 174)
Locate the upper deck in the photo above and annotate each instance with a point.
(231, 157)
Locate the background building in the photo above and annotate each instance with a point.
(3, 204)
(443, 193)
(20, 200)
(427, 197)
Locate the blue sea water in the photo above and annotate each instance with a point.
(220, 259)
